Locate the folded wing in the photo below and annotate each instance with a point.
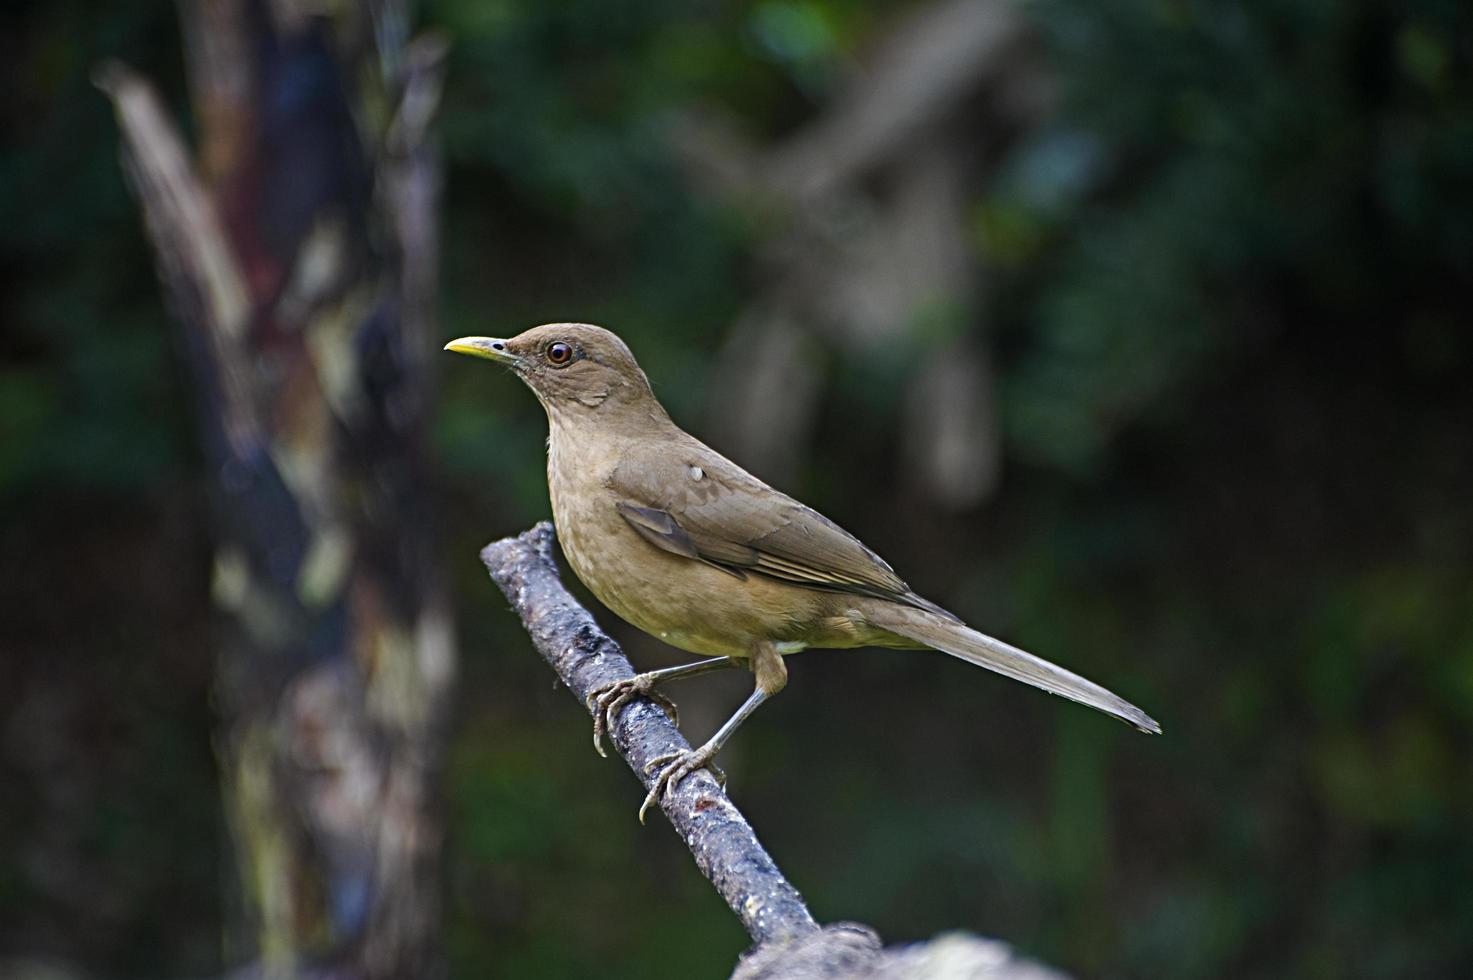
(708, 509)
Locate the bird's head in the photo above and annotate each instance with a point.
(570, 367)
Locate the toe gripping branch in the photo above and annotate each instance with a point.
(722, 842)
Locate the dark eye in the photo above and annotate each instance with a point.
(559, 353)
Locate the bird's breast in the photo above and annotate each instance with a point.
(688, 604)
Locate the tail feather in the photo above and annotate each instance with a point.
(953, 637)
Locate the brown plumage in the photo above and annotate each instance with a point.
(691, 548)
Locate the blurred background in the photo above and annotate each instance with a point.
(1136, 333)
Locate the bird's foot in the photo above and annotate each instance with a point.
(676, 766)
(607, 700)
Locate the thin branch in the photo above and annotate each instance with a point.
(719, 837)
(790, 945)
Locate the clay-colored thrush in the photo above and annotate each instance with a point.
(691, 548)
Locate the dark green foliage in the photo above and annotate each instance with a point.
(1229, 280)
(87, 392)
(1222, 175)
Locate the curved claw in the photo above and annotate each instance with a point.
(665, 705)
(607, 700)
(677, 765)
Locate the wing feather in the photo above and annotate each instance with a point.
(728, 518)
(664, 532)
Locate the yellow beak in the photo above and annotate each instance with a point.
(491, 348)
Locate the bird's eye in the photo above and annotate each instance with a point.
(559, 353)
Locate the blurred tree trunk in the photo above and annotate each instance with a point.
(298, 254)
(870, 243)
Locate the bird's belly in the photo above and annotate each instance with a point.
(685, 603)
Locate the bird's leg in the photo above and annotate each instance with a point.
(771, 675)
(606, 700)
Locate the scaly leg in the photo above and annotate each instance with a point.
(771, 675)
(608, 699)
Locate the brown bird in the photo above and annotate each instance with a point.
(691, 548)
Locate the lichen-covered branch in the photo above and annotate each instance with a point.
(791, 945)
(719, 837)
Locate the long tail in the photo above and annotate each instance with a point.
(953, 637)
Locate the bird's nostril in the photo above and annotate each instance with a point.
(497, 346)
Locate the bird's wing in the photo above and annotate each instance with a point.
(702, 506)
